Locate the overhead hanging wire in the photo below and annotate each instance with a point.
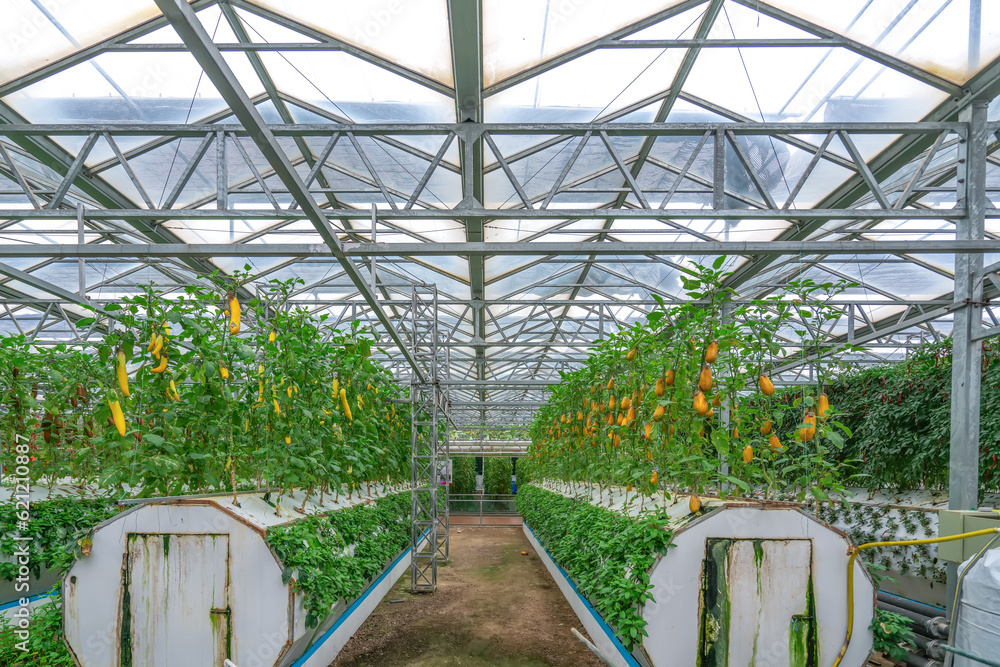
(760, 110)
(343, 113)
(608, 105)
(187, 118)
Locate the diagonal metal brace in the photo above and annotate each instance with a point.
(183, 19)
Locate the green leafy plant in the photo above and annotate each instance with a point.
(891, 632)
(496, 475)
(463, 475)
(45, 643)
(899, 415)
(607, 555)
(178, 398)
(59, 529)
(332, 557)
(525, 471)
(681, 401)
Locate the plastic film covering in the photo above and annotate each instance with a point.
(978, 629)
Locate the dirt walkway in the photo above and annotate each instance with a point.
(493, 608)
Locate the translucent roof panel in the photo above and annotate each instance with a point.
(355, 89)
(520, 33)
(895, 277)
(217, 231)
(435, 231)
(578, 93)
(815, 85)
(636, 279)
(128, 88)
(413, 33)
(37, 33)
(446, 275)
(914, 34)
(511, 231)
(677, 26)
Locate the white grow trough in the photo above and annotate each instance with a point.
(192, 582)
(745, 584)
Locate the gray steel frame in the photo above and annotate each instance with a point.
(183, 19)
(967, 350)
(428, 443)
(534, 338)
(399, 203)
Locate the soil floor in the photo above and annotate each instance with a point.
(463, 520)
(494, 607)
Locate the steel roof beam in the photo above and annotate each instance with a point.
(483, 214)
(606, 249)
(189, 28)
(85, 54)
(388, 140)
(881, 329)
(929, 128)
(279, 104)
(984, 85)
(55, 157)
(588, 47)
(465, 34)
(212, 119)
(873, 54)
(64, 294)
(698, 248)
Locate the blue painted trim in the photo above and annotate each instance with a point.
(629, 658)
(17, 603)
(340, 620)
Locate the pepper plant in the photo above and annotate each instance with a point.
(681, 401)
(182, 396)
(607, 555)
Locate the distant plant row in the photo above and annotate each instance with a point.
(900, 418)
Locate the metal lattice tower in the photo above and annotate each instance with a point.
(428, 443)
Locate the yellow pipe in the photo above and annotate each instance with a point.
(871, 545)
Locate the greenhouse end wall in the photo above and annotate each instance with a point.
(200, 568)
(745, 582)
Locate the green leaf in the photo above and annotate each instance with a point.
(738, 482)
(720, 439)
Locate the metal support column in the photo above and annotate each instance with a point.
(81, 263)
(966, 372)
(443, 448)
(428, 444)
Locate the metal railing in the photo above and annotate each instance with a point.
(482, 505)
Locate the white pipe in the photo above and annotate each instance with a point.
(589, 645)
